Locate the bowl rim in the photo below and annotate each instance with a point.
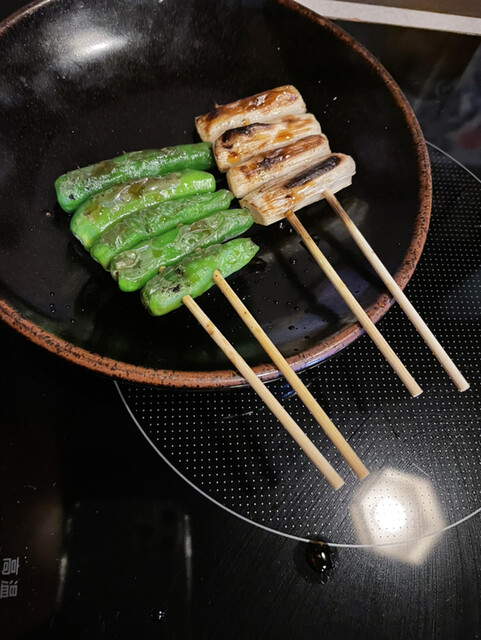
(228, 378)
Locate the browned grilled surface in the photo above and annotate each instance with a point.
(237, 145)
(260, 106)
(265, 99)
(270, 159)
(319, 169)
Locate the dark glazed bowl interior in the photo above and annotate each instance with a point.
(84, 81)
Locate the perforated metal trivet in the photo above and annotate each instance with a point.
(423, 453)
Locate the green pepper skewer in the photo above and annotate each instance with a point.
(135, 267)
(104, 209)
(138, 227)
(76, 186)
(193, 275)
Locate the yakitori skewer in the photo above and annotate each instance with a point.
(292, 378)
(292, 176)
(271, 402)
(279, 199)
(451, 369)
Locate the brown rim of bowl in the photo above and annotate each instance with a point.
(227, 378)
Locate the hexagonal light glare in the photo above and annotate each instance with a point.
(398, 514)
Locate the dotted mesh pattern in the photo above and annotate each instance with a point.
(423, 453)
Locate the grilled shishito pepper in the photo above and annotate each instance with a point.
(104, 209)
(156, 220)
(75, 187)
(193, 275)
(135, 267)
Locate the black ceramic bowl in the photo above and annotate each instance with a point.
(85, 80)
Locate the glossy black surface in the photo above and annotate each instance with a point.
(82, 81)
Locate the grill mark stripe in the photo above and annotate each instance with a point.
(317, 170)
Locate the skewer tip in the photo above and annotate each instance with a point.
(363, 473)
(337, 483)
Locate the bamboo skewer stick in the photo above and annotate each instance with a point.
(271, 402)
(292, 378)
(354, 306)
(451, 369)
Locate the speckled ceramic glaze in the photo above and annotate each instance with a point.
(84, 81)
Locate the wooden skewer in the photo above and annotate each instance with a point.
(274, 405)
(354, 306)
(451, 369)
(292, 378)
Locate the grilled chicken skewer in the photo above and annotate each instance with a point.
(272, 165)
(262, 107)
(239, 144)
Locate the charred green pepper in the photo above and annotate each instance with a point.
(75, 187)
(193, 275)
(140, 226)
(133, 268)
(104, 209)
